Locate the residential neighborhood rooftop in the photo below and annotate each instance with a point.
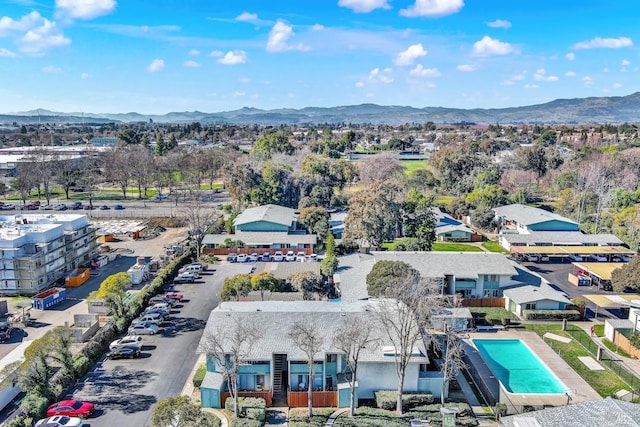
(528, 215)
(525, 294)
(267, 213)
(560, 238)
(252, 238)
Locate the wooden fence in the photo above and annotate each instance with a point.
(319, 399)
(624, 344)
(266, 395)
(483, 302)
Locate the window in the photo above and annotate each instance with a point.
(530, 306)
(424, 367)
(332, 358)
(260, 381)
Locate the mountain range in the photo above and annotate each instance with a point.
(593, 110)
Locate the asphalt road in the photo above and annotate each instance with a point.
(125, 391)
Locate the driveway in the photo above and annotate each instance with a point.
(125, 391)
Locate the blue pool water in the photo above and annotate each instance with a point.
(517, 368)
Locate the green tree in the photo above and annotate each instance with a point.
(386, 274)
(373, 214)
(172, 143)
(273, 143)
(489, 196)
(627, 276)
(161, 148)
(113, 291)
(419, 220)
(129, 136)
(329, 264)
(483, 217)
(315, 219)
(309, 283)
(266, 282)
(180, 412)
(144, 141)
(236, 286)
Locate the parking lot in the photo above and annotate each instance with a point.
(125, 391)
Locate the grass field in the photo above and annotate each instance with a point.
(494, 247)
(455, 247)
(410, 166)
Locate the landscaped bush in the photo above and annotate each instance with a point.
(298, 417)
(245, 422)
(491, 314)
(347, 247)
(372, 417)
(249, 407)
(388, 399)
(551, 314)
(198, 377)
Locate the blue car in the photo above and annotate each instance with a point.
(118, 207)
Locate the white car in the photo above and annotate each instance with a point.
(278, 257)
(301, 257)
(254, 257)
(143, 328)
(60, 421)
(128, 341)
(313, 257)
(8, 206)
(574, 257)
(242, 258)
(290, 256)
(599, 258)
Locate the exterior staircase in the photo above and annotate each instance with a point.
(278, 361)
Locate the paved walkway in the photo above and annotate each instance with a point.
(336, 414)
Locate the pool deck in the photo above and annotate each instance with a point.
(578, 388)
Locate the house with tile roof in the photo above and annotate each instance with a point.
(277, 369)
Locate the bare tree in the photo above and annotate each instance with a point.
(452, 352)
(230, 345)
(199, 218)
(351, 338)
(308, 338)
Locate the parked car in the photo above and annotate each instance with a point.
(46, 207)
(531, 257)
(301, 257)
(60, 421)
(143, 328)
(118, 207)
(313, 257)
(5, 331)
(104, 208)
(89, 208)
(254, 257)
(60, 207)
(191, 268)
(188, 277)
(128, 341)
(124, 353)
(290, 256)
(174, 296)
(162, 306)
(574, 257)
(278, 257)
(160, 196)
(266, 257)
(154, 315)
(242, 258)
(159, 299)
(71, 408)
(76, 205)
(599, 258)
(7, 206)
(232, 257)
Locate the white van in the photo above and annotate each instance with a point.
(191, 268)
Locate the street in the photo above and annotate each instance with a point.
(125, 391)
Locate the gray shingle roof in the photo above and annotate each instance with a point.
(268, 213)
(262, 238)
(450, 228)
(284, 270)
(596, 413)
(525, 294)
(276, 318)
(459, 264)
(561, 238)
(528, 215)
(213, 380)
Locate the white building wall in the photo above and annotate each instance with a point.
(375, 376)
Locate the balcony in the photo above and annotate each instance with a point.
(318, 398)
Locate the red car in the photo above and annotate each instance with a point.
(71, 408)
(174, 295)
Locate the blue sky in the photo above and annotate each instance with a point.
(157, 56)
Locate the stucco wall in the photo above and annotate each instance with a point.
(382, 376)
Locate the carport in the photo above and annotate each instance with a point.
(619, 301)
(565, 251)
(599, 272)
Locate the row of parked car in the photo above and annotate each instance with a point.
(278, 256)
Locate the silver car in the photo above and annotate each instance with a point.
(143, 328)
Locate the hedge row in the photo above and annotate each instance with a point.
(388, 399)
(551, 314)
(253, 408)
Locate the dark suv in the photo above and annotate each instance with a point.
(5, 331)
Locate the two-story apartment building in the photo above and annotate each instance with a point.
(277, 369)
(37, 250)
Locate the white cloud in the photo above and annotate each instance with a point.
(215, 53)
(191, 64)
(513, 79)
(32, 33)
(530, 86)
(84, 9)
(420, 71)
(588, 81)
(490, 47)
(317, 27)
(433, 8)
(518, 77)
(156, 65)
(84, 76)
(6, 53)
(465, 68)
(604, 43)
(247, 17)
(381, 76)
(239, 94)
(570, 56)
(359, 84)
(364, 6)
(244, 80)
(605, 70)
(499, 23)
(194, 52)
(570, 74)
(409, 56)
(616, 86)
(541, 76)
(51, 69)
(625, 63)
(279, 37)
(508, 83)
(234, 57)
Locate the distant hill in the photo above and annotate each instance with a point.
(613, 109)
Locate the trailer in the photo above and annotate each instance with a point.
(48, 298)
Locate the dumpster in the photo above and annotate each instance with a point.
(48, 298)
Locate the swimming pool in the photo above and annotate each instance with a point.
(518, 368)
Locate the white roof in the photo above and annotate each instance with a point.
(267, 213)
(528, 215)
(526, 294)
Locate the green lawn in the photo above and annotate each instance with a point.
(455, 247)
(494, 247)
(606, 383)
(410, 166)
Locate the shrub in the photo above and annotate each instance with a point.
(34, 405)
(387, 399)
(347, 247)
(298, 417)
(551, 314)
(245, 422)
(255, 406)
(19, 421)
(198, 377)
(81, 365)
(256, 414)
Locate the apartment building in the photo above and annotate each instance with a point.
(38, 250)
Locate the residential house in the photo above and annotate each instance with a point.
(456, 318)
(266, 228)
(542, 297)
(524, 219)
(277, 369)
(449, 229)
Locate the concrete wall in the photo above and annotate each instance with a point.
(382, 376)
